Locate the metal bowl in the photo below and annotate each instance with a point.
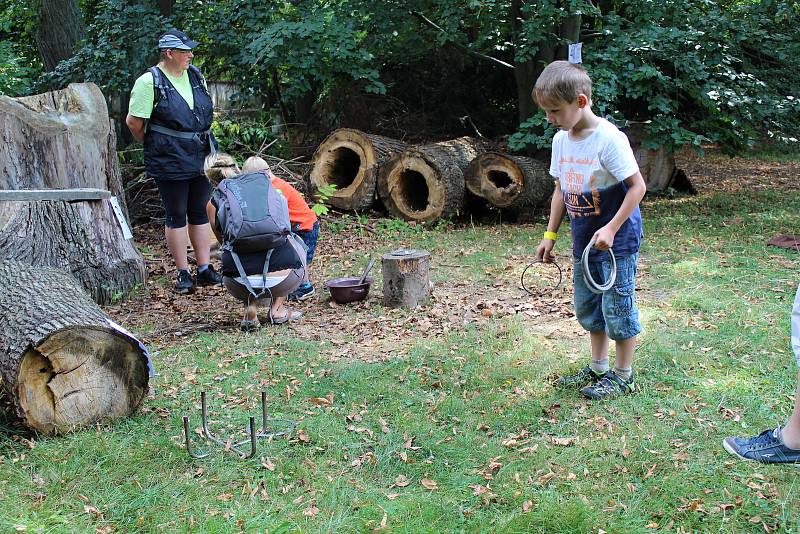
(344, 290)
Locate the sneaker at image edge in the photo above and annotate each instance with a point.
(609, 387)
(302, 293)
(209, 277)
(585, 376)
(767, 448)
(184, 283)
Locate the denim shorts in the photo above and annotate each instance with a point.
(615, 310)
(309, 237)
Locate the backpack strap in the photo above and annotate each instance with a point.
(243, 274)
(200, 79)
(159, 90)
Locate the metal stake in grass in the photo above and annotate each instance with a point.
(230, 445)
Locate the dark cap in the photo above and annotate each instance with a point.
(176, 39)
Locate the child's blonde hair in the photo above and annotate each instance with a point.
(220, 166)
(255, 164)
(561, 81)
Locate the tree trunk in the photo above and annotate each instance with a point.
(656, 165)
(63, 140)
(166, 8)
(63, 363)
(61, 28)
(350, 160)
(83, 238)
(509, 182)
(426, 183)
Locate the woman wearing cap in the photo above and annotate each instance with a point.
(171, 112)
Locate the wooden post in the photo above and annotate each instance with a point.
(405, 278)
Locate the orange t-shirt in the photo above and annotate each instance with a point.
(299, 212)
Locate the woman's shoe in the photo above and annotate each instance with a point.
(291, 316)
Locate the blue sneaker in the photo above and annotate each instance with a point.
(609, 387)
(305, 291)
(767, 448)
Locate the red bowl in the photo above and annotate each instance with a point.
(344, 290)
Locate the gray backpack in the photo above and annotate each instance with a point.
(251, 217)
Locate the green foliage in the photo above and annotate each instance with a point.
(120, 47)
(19, 64)
(16, 79)
(700, 71)
(312, 44)
(324, 194)
(246, 136)
(694, 71)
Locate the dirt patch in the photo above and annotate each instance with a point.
(364, 330)
(716, 172)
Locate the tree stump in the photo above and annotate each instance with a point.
(657, 165)
(83, 238)
(405, 278)
(63, 363)
(57, 141)
(350, 159)
(426, 183)
(509, 182)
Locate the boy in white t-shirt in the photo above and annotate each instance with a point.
(598, 184)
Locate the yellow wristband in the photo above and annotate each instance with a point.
(551, 235)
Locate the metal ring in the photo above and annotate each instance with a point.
(531, 293)
(594, 287)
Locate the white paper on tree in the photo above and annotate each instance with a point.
(575, 53)
(126, 230)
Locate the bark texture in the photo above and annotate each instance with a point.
(350, 160)
(61, 28)
(426, 183)
(406, 283)
(62, 363)
(82, 238)
(60, 140)
(509, 182)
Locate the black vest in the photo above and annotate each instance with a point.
(167, 157)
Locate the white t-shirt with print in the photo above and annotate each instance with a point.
(589, 165)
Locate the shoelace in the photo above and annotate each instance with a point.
(766, 438)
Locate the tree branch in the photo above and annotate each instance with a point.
(438, 28)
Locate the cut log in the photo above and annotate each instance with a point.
(62, 361)
(657, 165)
(63, 140)
(350, 159)
(509, 182)
(426, 183)
(405, 278)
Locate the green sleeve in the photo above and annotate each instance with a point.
(141, 103)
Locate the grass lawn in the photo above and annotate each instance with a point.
(444, 419)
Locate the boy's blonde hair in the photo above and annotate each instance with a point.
(561, 81)
(220, 166)
(255, 164)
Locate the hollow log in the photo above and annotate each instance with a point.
(63, 363)
(63, 140)
(509, 182)
(350, 159)
(426, 183)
